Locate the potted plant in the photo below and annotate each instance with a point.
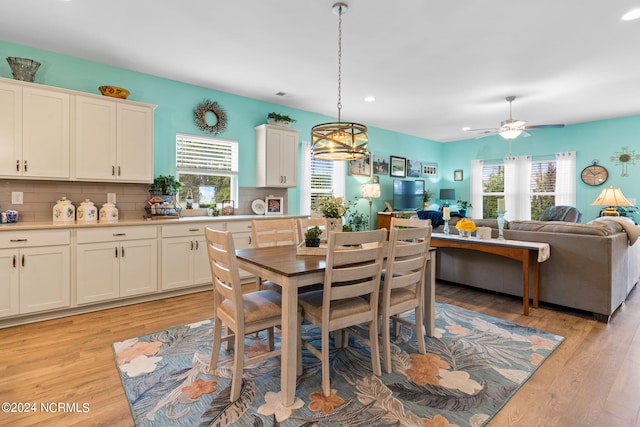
(463, 205)
(280, 119)
(312, 237)
(165, 184)
(426, 196)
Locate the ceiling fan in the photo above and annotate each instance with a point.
(511, 128)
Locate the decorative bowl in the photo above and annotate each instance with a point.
(23, 68)
(114, 91)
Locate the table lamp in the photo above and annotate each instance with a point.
(447, 194)
(370, 191)
(611, 197)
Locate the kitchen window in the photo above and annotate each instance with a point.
(207, 168)
(320, 178)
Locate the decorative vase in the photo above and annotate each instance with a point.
(464, 234)
(64, 212)
(108, 213)
(23, 68)
(462, 213)
(500, 221)
(334, 224)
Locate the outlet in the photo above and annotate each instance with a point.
(17, 198)
(111, 198)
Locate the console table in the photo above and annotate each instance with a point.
(383, 219)
(531, 254)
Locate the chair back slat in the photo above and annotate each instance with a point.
(276, 232)
(224, 266)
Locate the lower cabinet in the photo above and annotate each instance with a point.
(185, 261)
(34, 271)
(116, 262)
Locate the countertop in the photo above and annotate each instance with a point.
(49, 225)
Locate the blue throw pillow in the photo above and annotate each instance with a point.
(434, 216)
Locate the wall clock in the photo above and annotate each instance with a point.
(594, 174)
(200, 117)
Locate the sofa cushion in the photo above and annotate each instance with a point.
(596, 229)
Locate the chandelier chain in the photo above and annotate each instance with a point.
(339, 60)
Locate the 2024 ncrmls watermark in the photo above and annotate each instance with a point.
(50, 407)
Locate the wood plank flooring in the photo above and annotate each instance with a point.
(593, 379)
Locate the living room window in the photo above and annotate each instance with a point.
(208, 168)
(528, 186)
(320, 178)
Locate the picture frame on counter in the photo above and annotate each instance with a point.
(275, 205)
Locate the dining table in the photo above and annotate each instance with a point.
(292, 271)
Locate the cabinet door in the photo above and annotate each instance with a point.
(95, 139)
(45, 133)
(273, 158)
(177, 262)
(201, 268)
(97, 272)
(135, 143)
(10, 130)
(9, 282)
(44, 278)
(138, 267)
(289, 159)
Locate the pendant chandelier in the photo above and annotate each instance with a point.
(339, 140)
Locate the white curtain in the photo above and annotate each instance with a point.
(475, 179)
(517, 202)
(566, 178)
(305, 188)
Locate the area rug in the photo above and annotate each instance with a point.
(473, 366)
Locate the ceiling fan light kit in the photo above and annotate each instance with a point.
(339, 140)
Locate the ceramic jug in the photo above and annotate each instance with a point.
(108, 213)
(87, 213)
(64, 212)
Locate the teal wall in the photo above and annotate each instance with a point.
(176, 100)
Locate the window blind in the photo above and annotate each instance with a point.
(198, 154)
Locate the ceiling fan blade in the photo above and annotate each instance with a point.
(525, 134)
(482, 130)
(543, 126)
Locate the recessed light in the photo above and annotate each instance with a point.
(631, 15)
(466, 128)
(369, 99)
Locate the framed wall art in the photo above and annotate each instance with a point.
(413, 168)
(381, 165)
(457, 175)
(398, 167)
(429, 169)
(274, 205)
(360, 167)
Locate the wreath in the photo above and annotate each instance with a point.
(208, 106)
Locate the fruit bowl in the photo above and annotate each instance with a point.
(114, 91)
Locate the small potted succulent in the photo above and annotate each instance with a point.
(312, 237)
(280, 119)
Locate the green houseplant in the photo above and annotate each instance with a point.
(312, 237)
(281, 119)
(165, 184)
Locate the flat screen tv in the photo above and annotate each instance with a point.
(407, 195)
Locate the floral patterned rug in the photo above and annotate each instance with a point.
(473, 365)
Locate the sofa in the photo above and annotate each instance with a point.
(592, 267)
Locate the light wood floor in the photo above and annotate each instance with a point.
(593, 379)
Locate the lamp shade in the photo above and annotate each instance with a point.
(447, 194)
(611, 197)
(370, 191)
(510, 133)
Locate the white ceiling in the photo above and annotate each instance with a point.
(433, 66)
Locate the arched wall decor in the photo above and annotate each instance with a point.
(200, 117)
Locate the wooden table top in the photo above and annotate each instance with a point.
(283, 260)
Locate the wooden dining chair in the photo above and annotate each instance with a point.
(237, 313)
(349, 296)
(403, 280)
(306, 223)
(272, 232)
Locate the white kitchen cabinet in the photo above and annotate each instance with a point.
(116, 262)
(276, 156)
(185, 261)
(113, 140)
(34, 129)
(34, 271)
(241, 232)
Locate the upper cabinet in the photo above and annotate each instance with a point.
(113, 140)
(61, 134)
(34, 132)
(276, 156)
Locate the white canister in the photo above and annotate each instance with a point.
(108, 213)
(87, 213)
(64, 212)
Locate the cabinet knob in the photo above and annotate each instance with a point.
(17, 165)
(192, 245)
(113, 170)
(18, 240)
(118, 170)
(23, 260)
(25, 165)
(15, 261)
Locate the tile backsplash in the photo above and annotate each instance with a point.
(39, 197)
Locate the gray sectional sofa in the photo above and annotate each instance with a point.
(592, 267)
